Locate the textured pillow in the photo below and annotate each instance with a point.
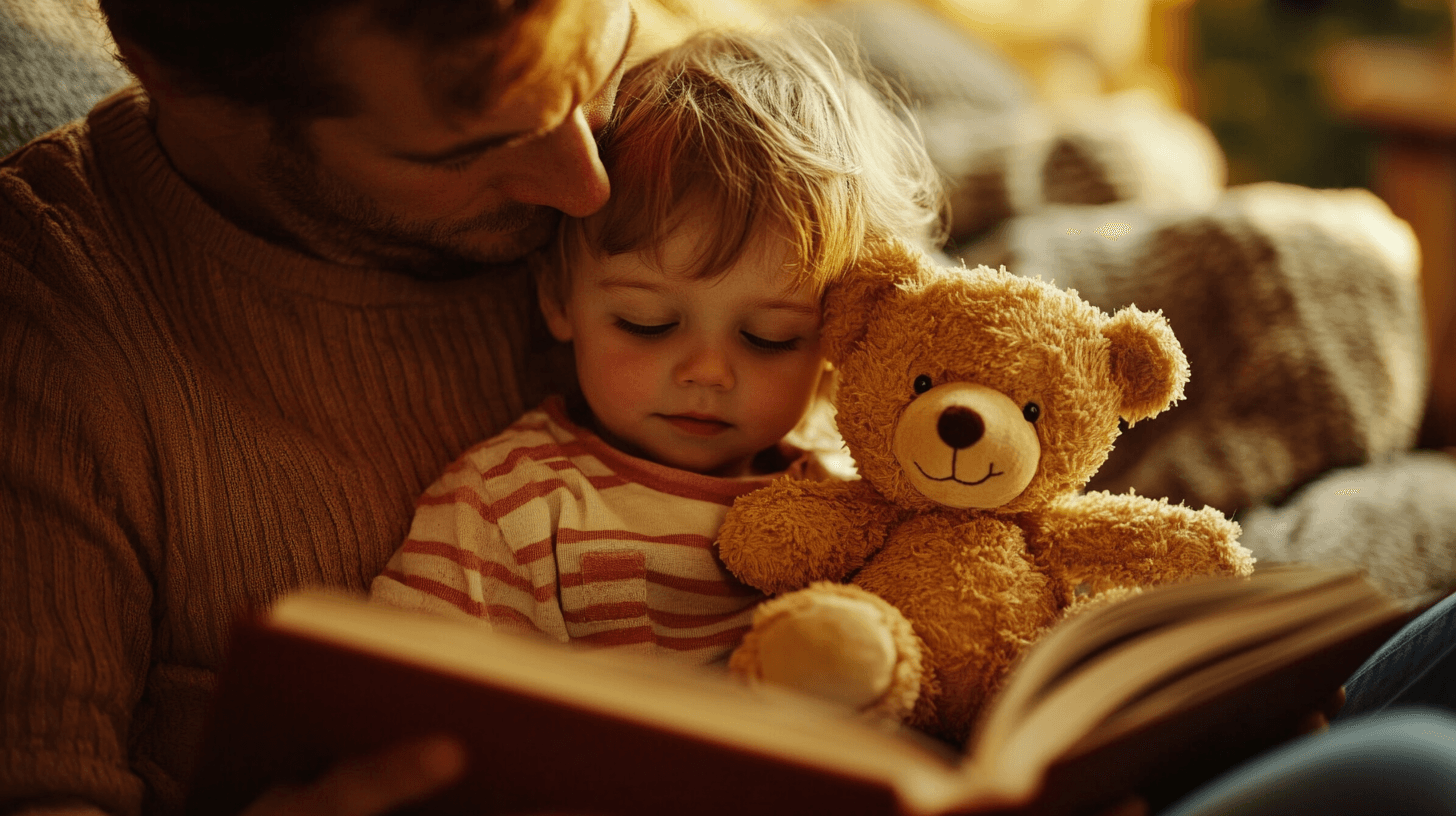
(55, 64)
(1396, 520)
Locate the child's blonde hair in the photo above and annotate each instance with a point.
(764, 131)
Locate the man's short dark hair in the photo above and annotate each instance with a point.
(264, 53)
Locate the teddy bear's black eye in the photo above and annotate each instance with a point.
(1031, 411)
(923, 383)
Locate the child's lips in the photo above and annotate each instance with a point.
(697, 424)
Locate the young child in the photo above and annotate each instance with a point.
(748, 173)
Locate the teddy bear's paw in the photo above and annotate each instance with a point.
(838, 643)
(831, 647)
(1105, 596)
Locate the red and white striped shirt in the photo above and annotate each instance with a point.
(546, 528)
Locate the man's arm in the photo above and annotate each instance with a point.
(75, 594)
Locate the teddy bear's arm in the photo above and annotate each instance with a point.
(1126, 540)
(793, 532)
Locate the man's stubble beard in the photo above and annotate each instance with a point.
(332, 215)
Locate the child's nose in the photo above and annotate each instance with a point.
(706, 367)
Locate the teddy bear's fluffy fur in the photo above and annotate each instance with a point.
(976, 405)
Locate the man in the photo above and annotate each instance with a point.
(247, 311)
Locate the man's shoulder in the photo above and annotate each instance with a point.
(57, 187)
(54, 234)
(59, 257)
(46, 185)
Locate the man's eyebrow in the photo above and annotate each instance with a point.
(485, 143)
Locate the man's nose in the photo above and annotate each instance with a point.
(568, 174)
(707, 367)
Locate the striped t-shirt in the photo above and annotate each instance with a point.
(547, 529)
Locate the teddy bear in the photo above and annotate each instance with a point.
(976, 405)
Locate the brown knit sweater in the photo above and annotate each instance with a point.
(194, 420)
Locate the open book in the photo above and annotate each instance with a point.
(1151, 694)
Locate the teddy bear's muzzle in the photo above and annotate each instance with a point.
(966, 445)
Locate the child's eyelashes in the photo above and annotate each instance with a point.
(661, 329)
(771, 345)
(644, 331)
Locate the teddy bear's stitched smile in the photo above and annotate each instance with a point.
(990, 471)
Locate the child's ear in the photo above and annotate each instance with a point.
(548, 294)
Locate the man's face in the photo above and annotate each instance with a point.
(403, 183)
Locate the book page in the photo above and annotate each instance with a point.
(1076, 641)
(1201, 684)
(1062, 699)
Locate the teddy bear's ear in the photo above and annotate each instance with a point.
(1147, 362)
(849, 301)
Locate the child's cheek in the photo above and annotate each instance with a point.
(627, 374)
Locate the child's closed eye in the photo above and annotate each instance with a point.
(770, 345)
(644, 331)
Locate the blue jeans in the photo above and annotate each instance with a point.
(1416, 667)
(1398, 762)
(1391, 750)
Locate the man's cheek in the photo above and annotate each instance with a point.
(416, 192)
(411, 198)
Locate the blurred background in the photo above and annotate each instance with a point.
(1260, 74)
(1343, 93)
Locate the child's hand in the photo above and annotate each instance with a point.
(370, 785)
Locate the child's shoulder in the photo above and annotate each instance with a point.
(538, 436)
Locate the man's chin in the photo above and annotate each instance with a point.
(463, 253)
(487, 246)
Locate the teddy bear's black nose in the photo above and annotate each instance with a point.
(960, 427)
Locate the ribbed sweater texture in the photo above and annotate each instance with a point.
(194, 420)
